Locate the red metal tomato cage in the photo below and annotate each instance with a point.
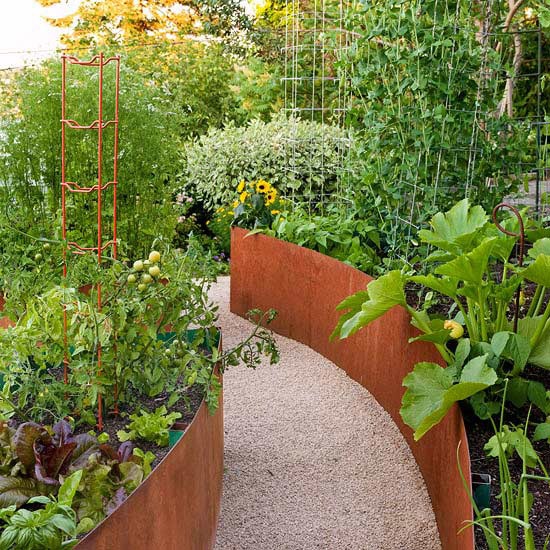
(98, 125)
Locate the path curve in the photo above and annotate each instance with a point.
(312, 461)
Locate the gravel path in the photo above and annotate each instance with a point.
(312, 460)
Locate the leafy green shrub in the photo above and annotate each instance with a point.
(297, 157)
(334, 232)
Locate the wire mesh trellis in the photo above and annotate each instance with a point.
(466, 149)
(316, 90)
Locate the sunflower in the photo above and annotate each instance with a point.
(270, 197)
(275, 212)
(235, 204)
(263, 187)
(243, 196)
(240, 187)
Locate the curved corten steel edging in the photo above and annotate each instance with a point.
(177, 506)
(304, 287)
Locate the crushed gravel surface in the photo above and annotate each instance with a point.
(312, 461)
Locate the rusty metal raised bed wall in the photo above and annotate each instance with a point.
(305, 287)
(177, 506)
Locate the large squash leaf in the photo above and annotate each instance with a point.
(542, 246)
(472, 266)
(444, 285)
(455, 230)
(539, 271)
(431, 391)
(540, 354)
(381, 295)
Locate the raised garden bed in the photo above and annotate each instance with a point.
(177, 506)
(305, 287)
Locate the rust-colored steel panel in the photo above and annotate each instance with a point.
(177, 506)
(305, 287)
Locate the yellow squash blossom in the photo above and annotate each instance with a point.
(457, 330)
(240, 187)
(243, 196)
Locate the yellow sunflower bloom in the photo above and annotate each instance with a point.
(235, 204)
(270, 197)
(240, 187)
(243, 196)
(275, 212)
(263, 187)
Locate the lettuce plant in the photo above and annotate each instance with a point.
(151, 426)
(472, 266)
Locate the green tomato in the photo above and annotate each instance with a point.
(154, 257)
(131, 279)
(138, 265)
(142, 287)
(46, 246)
(146, 262)
(146, 278)
(154, 271)
(37, 257)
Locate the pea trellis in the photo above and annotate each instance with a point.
(447, 98)
(102, 244)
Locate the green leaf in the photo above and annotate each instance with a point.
(68, 490)
(455, 230)
(540, 355)
(542, 246)
(443, 285)
(539, 271)
(536, 392)
(437, 337)
(510, 345)
(512, 440)
(469, 267)
(431, 392)
(516, 392)
(462, 352)
(65, 524)
(382, 294)
(542, 431)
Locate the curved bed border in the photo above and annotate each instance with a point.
(177, 506)
(304, 287)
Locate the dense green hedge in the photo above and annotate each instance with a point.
(298, 157)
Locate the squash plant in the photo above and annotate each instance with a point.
(472, 265)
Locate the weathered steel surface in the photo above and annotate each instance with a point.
(177, 506)
(305, 287)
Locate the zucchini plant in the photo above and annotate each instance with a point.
(471, 265)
